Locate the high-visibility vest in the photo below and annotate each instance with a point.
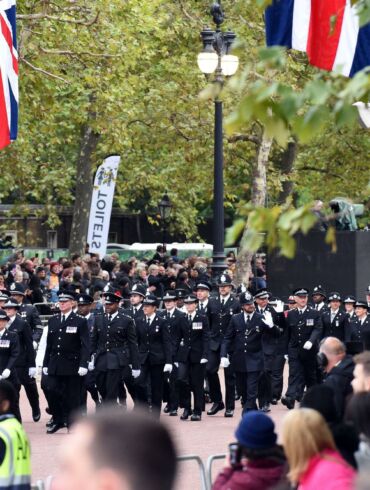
(15, 470)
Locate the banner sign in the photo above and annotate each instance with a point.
(101, 205)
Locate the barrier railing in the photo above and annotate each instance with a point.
(202, 471)
(209, 464)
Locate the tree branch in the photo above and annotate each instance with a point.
(321, 170)
(83, 53)
(42, 16)
(40, 70)
(244, 137)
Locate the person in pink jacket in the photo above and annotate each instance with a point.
(314, 461)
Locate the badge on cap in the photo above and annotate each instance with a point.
(248, 296)
(223, 279)
(12, 286)
(134, 287)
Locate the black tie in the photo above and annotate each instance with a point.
(222, 302)
(109, 318)
(248, 319)
(316, 307)
(63, 318)
(300, 312)
(148, 321)
(189, 318)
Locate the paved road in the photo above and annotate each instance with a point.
(210, 436)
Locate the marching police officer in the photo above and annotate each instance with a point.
(28, 312)
(114, 348)
(192, 356)
(221, 309)
(350, 315)
(202, 290)
(305, 332)
(26, 363)
(334, 319)
(175, 320)
(243, 344)
(360, 328)
(65, 362)
(155, 351)
(318, 299)
(137, 295)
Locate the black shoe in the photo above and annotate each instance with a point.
(54, 428)
(185, 414)
(47, 410)
(172, 413)
(288, 402)
(216, 407)
(36, 416)
(195, 417)
(274, 401)
(50, 422)
(237, 397)
(166, 409)
(207, 398)
(229, 412)
(266, 408)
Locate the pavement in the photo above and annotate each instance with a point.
(210, 436)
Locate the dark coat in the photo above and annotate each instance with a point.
(26, 356)
(175, 325)
(339, 379)
(9, 350)
(30, 314)
(220, 316)
(135, 315)
(349, 319)
(272, 341)
(114, 344)
(193, 341)
(154, 341)
(303, 328)
(335, 328)
(67, 345)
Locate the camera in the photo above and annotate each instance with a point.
(234, 453)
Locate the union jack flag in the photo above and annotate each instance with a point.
(8, 73)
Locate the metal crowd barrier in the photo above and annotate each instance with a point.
(202, 471)
(209, 464)
(39, 485)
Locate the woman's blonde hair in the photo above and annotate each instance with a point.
(305, 434)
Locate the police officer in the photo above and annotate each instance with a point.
(84, 306)
(114, 348)
(305, 332)
(175, 320)
(26, 363)
(202, 290)
(360, 328)
(368, 296)
(318, 299)
(243, 344)
(28, 312)
(350, 315)
(192, 356)
(334, 319)
(137, 295)
(180, 297)
(221, 309)
(155, 351)
(65, 362)
(9, 353)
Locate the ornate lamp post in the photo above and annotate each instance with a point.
(165, 208)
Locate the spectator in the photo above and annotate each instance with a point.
(259, 463)
(174, 255)
(117, 451)
(314, 462)
(358, 411)
(321, 398)
(361, 379)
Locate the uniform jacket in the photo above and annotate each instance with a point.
(134, 314)
(349, 319)
(220, 316)
(67, 345)
(360, 332)
(335, 328)
(193, 342)
(175, 324)
(26, 356)
(30, 314)
(114, 343)
(154, 341)
(9, 350)
(274, 340)
(302, 328)
(246, 340)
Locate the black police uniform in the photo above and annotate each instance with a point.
(192, 345)
(348, 320)
(67, 349)
(303, 327)
(9, 354)
(155, 350)
(114, 347)
(333, 327)
(243, 344)
(30, 314)
(220, 313)
(134, 312)
(359, 332)
(26, 360)
(90, 378)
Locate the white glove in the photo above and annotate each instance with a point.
(203, 361)
(267, 319)
(34, 343)
(136, 373)
(176, 364)
(167, 368)
(45, 371)
(32, 372)
(286, 357)
(225, 363)
(91, 366)
(307, 345)
(5, 374)
(82, 371)
(279, 308)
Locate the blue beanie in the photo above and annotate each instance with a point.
(256, 431)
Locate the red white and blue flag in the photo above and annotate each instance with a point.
(327, 30)
(8, 73)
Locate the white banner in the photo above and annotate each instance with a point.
(101, 205)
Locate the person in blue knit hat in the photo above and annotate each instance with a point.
(255, 461)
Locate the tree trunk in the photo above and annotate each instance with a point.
(258, 199)
(286, 167)
(84, 187)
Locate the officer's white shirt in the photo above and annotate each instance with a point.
(171, 312)
(192, 315)
(203, 304)
(246, 315)
(302, 310)
(113, 315)
(2, 332)
(11, 320)
(225, 299)
(66, 315)
(320, 306)
(333, 314)
(150, 318)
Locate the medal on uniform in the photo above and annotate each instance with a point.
(71, 330)
(5, 343)
(309, 322)
(197, 325)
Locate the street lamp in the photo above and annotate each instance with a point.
(165, 208)
(216, 59)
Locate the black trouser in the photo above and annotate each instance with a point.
(277, 375)
(265, 381)
(153, 374)
(45, 388)
(30, 387)
(171, 390)
(190, 378)
(302, 373)
(64, 397)
(89, 385)
(248, 383)
(13, 379)
(213, 365)
(109, 383)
